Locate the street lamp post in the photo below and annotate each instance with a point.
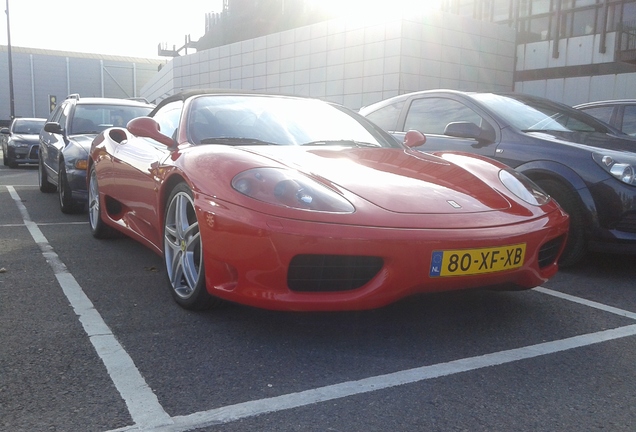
(11, 97)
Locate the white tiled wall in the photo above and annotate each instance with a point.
(355, 63)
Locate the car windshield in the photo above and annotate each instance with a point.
(92, 119)
(28, 127)
(263, 120)
(535, 115)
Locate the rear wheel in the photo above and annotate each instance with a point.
(183, 252)
(98, 228)
(575, 247)
(43, 180)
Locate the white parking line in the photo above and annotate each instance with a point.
(43, 224)
(239, 411)
(588, 303)
(142, 403)
(149, 415)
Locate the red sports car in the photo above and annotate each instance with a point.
(297, 204)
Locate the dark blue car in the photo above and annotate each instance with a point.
(587, 166)
(66, 139)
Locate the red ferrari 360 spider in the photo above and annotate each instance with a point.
(297, 204)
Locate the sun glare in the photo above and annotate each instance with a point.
(375, 9)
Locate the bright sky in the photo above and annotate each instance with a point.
(135, 27)
(118, 27)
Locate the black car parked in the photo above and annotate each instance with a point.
(584, 164)
(20, 142)
(67, 137)
(620, 113)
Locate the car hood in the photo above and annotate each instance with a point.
(26, 137)
(589, 139)
(84, 140)
(398, 180)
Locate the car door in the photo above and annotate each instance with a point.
(449, 124)
(136, 165)
(52, 143)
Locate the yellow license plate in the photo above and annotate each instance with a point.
(462, 262)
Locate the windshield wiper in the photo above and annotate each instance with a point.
(235, 141)
(350, 143)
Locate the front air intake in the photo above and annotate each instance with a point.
(329, 273)
(549, 251)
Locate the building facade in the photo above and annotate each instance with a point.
(572, 51)
(354, 62)
(42, 77)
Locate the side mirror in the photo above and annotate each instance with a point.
(414, 138)
(53, 127)
(463, 130)
(147, 127)
(4, 130)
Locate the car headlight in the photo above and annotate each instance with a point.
(289, 189)
(623, 170)
(18, 143)
(522, 187)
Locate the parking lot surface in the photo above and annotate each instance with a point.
(92, 341)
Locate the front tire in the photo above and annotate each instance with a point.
(98, 228)
(67, 204)
(43, 180)
(575, 247)
(183, 252)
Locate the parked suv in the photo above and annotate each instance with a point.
(20, 141)
(66, 139)
(586, 165)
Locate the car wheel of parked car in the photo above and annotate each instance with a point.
(11, 163)
(67, 203)
(43, 180)
(575, 247)
(98, 228)
(183, 252)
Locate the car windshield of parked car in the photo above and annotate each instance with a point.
(28, 127)
(258, 120)
(535, 115)
(92, 119)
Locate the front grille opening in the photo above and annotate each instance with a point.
(549, 251)
(329, 273)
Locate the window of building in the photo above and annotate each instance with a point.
(629, 13)
(583, 22)
(539, 29)
(540, 7)
(502, 10)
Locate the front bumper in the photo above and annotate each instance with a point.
(248, 256)
(616, 208)
(77, 182)
(24, 155)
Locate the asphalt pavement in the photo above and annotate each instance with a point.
(92, 341)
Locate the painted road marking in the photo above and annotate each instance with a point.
(149, 415)
(142, 403)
